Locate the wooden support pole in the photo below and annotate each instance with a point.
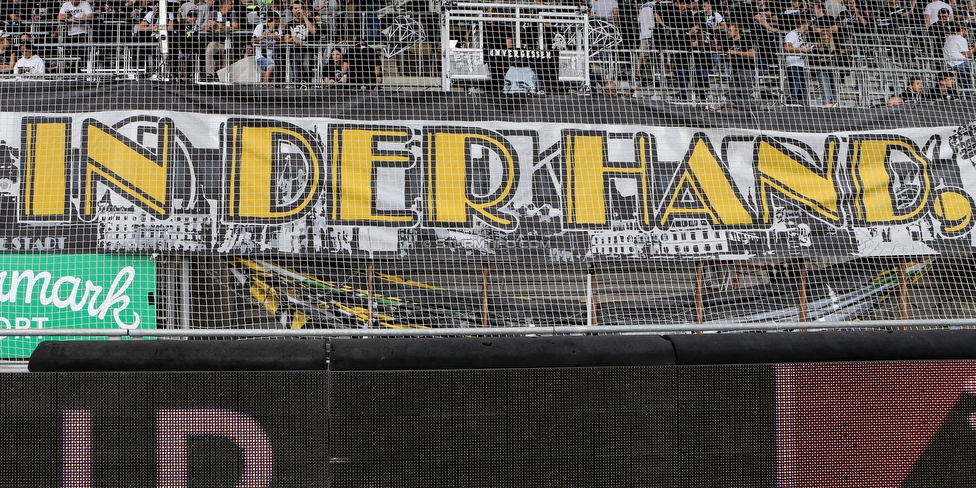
(803, 290)
(369, 294)
(699, 292)
(903, 288)
(484, 294)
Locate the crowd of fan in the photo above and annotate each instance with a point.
(743, 38)
(43, 37)
(739, 38)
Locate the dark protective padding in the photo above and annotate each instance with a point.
(80, 97)
(499, 352)
(179, 355)
(901, 345)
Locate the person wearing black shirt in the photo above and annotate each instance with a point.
(741, 58)
(914, 92)
(496, 36)
(365, 67)
(690, 40)
(945, 91)
(765, 30)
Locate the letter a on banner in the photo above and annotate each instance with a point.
(145, 177)
(703, 186)
(44, 169)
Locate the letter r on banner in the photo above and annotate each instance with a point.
(175, 426)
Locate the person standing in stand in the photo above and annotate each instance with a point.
(76, 15)
(300, 33)
(957, 54)
(742, 61)
(649, 20)
(795, 60)
(8, 58)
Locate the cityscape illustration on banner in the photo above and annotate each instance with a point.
(125, 182)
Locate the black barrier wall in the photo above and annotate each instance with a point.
(873, 424)
(389, 419)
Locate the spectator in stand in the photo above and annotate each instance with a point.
(18, 12)
(365, 67)
(605, 10)
(8, 58)
(946, 91)
(327, 14)
(649, 21)
(742, 63)
(792, 8)
(300, 33)
(765, 30)
(824, 52)
(795, 61)
(29, 63)
(855, 19)
(628, 27)
(713, 20)
(957, 54)
(337, 69)
(932, 9)
(148, 31)
(266, 35)
(938, 32)
(890, 17)
(76, 15)
(225, 20)
(690, 41)
(913, 93)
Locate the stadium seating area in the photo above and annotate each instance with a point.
(680, 51)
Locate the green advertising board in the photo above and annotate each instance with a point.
(73, 291)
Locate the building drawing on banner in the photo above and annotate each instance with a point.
(696, 238)
(624, 239)
(125, 228)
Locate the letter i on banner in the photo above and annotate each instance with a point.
(45, 147)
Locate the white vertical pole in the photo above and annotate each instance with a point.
(164, 36)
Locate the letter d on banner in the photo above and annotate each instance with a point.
(274, 171)
(175, 426)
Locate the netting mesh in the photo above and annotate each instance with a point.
(285, 165)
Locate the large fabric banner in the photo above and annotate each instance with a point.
(167, 181)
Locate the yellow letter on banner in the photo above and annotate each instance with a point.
(703, 187)
(878, 186)
(451, 174)
(588, 175)
(257, 167)
(127, 168)
(44, 159)
(356, 156)
(790, 176)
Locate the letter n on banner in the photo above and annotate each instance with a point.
(274, 171)
(45, 169)
(138, 173)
